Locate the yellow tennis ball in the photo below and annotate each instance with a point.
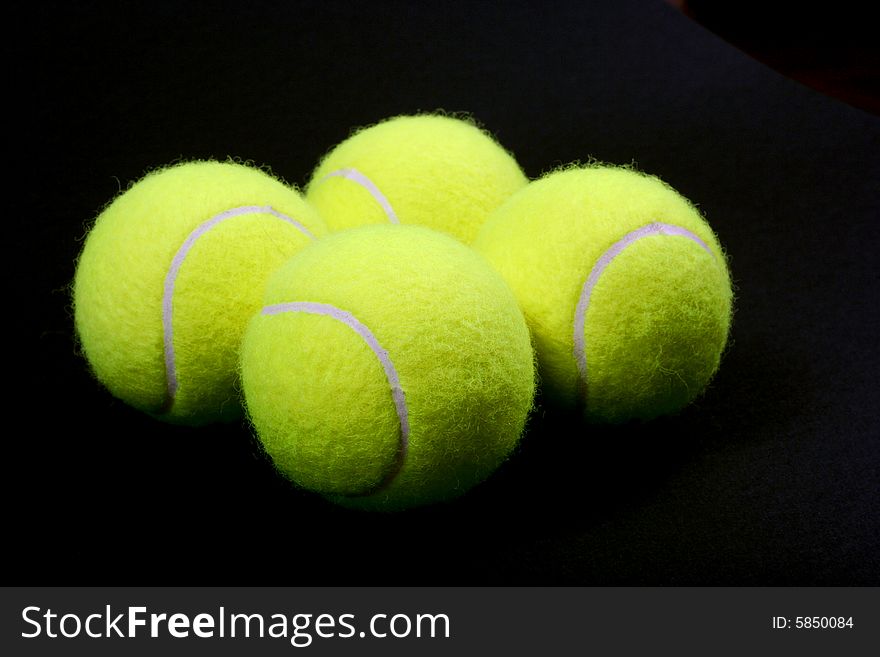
(169, 276)
(624, 285)
(389, 367)
(437, 171)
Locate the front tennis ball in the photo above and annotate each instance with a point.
(433, 170)
(624, 285)
(389, 367)
(169, 275)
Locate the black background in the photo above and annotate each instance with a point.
(771, 478)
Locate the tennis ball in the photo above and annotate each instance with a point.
(169, 275)
(429, 169)
(624, 285)
(389, 367)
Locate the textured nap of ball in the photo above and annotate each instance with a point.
(390, 367)
(624, 285)
(432, 170)
(171, 272)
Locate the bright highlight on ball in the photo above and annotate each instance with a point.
(170, 274)
(437, 171)
(389, 367)
(624, 285)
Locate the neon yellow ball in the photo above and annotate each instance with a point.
(624, 285)
(432, 170)
(169, 275)
(390, 367)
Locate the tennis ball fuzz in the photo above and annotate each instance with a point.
(169, 276)
(432, 170)
(624, 285)
(389, 367)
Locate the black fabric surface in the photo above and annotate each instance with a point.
(771, 478)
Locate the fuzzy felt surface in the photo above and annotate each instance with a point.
(364, 321)
(169, 275)
(646, 271)
(437, 171)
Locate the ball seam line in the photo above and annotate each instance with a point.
(171, 382)
(357, 177)
(397, 393)
(580, 347)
